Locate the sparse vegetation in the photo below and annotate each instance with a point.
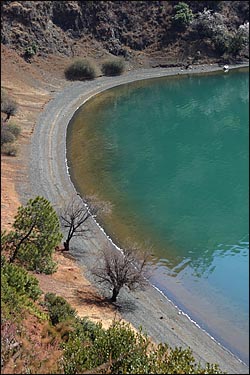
(113, 67)
(9, 132)
(80, 70)
(19, 295)
(8, 106)
(30, 51)
(13, 128)
(6, 136)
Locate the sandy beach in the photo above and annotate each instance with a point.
(49, 177)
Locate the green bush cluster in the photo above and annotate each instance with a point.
(19, 289)
(6, 136)
(120, 350)
(80, 69)
(8, 106)
(58, 308)
(9, 133)
(19, 279)
(183, 15)
(113, 67)
(13, 129)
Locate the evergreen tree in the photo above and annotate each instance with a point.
(36, 232)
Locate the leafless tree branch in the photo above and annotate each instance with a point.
(75, 214)
(118, 269)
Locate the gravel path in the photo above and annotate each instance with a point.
(49, 177)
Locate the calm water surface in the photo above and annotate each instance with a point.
(170, 155)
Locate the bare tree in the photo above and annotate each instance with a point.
(74, 216)
(76, 212)
(119, 269)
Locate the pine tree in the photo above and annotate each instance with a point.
(36, 232)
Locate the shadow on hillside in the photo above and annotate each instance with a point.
(91, 298)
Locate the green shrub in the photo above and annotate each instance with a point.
(19, 290)
(30, 51)
(120, 350)
(183, 15)
(80, 70)
(9, 106)
(20, 280)
(6, 136)
(58, 308)
(113, 67)
(14, 129)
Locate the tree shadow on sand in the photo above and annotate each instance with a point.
(92, 299)
(125, 306)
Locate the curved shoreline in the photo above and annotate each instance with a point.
(49, 177)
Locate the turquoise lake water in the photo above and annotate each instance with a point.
(170, 156)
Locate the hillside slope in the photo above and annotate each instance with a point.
(122, 28)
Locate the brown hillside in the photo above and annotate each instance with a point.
(136, 30)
